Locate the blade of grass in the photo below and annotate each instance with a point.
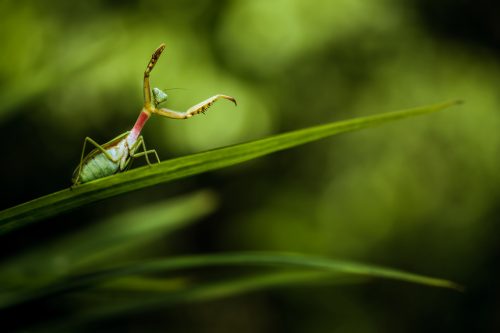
(104, 241)
(71, 198)
(121, 234)
(200, 293)
(147, 286)
(285, 260)
(271, 259)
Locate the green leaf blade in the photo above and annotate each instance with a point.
(238, 259)
(289, 260)
(177, 168)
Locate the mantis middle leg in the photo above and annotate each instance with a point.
(140, 143)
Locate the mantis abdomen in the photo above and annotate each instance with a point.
(97, 167)
(103, 162)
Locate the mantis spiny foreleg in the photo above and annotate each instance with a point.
(198, 108)
(149, 68)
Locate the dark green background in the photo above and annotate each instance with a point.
(421, 194)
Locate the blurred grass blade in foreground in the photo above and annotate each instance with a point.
(134, 302)
(244, 259)
(110, 240)
(169, 170)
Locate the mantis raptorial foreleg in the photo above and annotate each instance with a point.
(149, 68)
(198, 108)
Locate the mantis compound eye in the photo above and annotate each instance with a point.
(159, 96)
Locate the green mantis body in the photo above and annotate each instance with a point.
(116, 155)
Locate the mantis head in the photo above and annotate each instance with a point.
(159, 96)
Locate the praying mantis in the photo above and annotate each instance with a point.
(116, 155)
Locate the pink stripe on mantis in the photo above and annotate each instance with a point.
(136, 130)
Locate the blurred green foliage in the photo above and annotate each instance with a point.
(419, 195)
